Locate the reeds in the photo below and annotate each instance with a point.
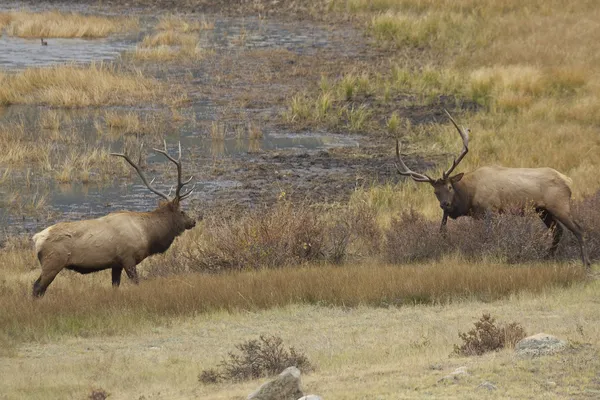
(54, 24)
(76, 86)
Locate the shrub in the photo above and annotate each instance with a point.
(486, 337)
(281, 235)
(98, 394)
(506, 237)
(257, 358)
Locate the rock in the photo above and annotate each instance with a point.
(285, 387)
(455, 375)
(539, 345)
(310, 397)
(487, 385)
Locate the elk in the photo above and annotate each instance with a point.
(117, 241)
(500, 189)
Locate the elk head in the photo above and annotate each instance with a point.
(444, 187)
(171, 205)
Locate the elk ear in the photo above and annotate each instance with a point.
(175, 203)
(456, 178)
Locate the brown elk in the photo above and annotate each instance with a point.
(117, 241)
(500, 189)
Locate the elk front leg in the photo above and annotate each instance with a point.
(443, 225)
(132, 274)
(116, 276)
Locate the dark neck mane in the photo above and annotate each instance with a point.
(462, 202)
(163, 226)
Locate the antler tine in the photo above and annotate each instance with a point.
(141, 174)
(464, 134)
(405, 171)
(177, 162)
(189, 192)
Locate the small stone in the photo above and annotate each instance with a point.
(310, 397)
(455, 375)
(286, 386)
(539, 345)
(487, 386)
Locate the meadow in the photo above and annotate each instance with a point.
(365, 287)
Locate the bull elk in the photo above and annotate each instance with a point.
(500, 189)
(117, 241)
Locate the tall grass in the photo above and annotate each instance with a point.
(76, 306)
(76, 86)
(54, 24)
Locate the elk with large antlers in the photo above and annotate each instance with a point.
(500, 189)
(117, 241)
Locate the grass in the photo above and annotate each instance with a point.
(85, 305)
(77, 86)
(56, 151)
(169, 46)
(522, 80)
(389, 352)
(54, 24)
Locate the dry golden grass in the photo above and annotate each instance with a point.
(359, 352)
(80, 305)
(56, 24)
(76, 86)
(170, 38)
(170, 45)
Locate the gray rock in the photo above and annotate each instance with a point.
(455, 375)
(285, 387)
(539, 345)
(487, 386)
(310, 397)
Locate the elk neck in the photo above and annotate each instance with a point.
(163, 225)
(461, 204)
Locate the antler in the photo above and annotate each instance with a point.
(464, 134)
(177, 162)
(406, 171)
(140, 173)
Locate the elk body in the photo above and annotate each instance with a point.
(117, 241)
(500, 189)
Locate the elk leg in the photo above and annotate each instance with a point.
(116, 276)
(574, 227)
(132, 274)
(443, 225)
(42, 283)
(555, 228)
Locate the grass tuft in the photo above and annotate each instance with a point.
(54, 24)
(76, 86)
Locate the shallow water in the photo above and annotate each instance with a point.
(18, 53)
(75, 201)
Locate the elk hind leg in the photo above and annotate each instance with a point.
(568, 221)
(553, 226)
(51, 265)
(45, 279)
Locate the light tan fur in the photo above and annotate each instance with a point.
(116, 241)
(499, 189)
